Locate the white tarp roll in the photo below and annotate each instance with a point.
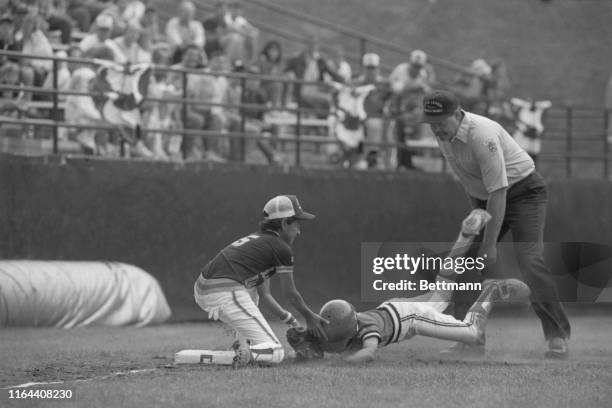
(77, 294)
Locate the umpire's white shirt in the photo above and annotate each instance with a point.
(485, 157)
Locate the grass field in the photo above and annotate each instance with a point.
(513, 374)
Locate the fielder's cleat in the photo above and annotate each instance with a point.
(508, 289)
(557, 348)
(464, 350)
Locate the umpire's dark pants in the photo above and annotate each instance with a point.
(525, 217)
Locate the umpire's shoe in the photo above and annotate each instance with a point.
(557, 348)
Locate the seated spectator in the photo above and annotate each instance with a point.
(100, 35)
(339, 65)
(127, 49)
(270, 63)
(414, 75)
(227, 31)
(64, 76)
(201, 88)
(253, 94)
(245, 49)
(36, 43)
(310, 66)
(151, 34)
(183, 31)
(135, 10)
(471, 87)
(12, 102)
(81, 110)
(375, 106)
(116, 10)
(215, 28)
(54, 13)
(9, 42)
(84, 12)
(409, 82)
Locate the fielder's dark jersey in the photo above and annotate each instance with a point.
(373, 323)
(251, 259)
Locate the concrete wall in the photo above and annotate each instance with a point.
(170, 219)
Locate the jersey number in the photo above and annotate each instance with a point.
(244, 240)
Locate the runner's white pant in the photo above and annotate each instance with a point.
(425, 318)
(236, 306)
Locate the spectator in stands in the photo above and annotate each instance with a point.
(339, 65)
(9, 42)
(215, 27)
(116, 10)
(83, 12)
(253, 94)
(35, 42)
(127, 49)
(135, 10)
(409, 83)
(499, 83)
(101, 35)
(414, 75)
(375, 105)
(471, 87)
(227, 31)
(63, 76)
(271, 63)
(201, 88)
(310, 66)
(12, 102)
(183, 31)
(81, 110)
(54, 13)
(151, 33)
(242, 47)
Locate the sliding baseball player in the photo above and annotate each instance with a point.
(361, 334)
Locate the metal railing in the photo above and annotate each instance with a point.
(568, 133)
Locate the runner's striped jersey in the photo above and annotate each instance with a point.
(376, 323)
(251, 259)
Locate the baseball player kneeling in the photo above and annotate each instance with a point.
(361, 334)
(232, 283)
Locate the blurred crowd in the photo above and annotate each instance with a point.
(365, 105)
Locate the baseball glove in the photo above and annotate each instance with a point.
(306, 346)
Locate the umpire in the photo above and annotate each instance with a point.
(499, 176)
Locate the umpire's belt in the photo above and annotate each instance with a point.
(204, 285)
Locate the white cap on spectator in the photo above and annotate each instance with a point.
(370, 60)
(418, 57)
(480, 67)
(104, 21)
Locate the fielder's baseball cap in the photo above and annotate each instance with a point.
(104, 21)
(285, 206)
(370, 60)
(438, 105)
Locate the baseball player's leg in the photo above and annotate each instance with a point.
(527, 218)
(246, 319)
(422, 319)
(237, 310)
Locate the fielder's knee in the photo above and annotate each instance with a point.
(267, 353)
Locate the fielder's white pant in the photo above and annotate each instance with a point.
(425, 318)
(234, 305)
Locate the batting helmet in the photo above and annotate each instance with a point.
(342, 319)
